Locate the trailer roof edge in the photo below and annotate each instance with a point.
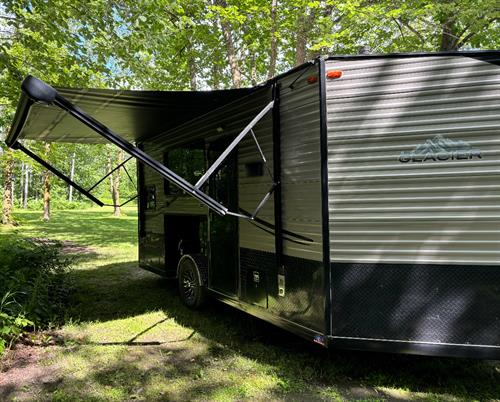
(467, 53)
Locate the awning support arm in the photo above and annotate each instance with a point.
(233, 145)
(123, 203)
(110, 172)
(62, 176)
(39, 91)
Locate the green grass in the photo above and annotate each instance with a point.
(128, 336)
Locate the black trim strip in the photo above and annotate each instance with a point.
(474, 53)
(141, 202)
(416, 348)
(324, 194)
(278, 216)
(273, 318)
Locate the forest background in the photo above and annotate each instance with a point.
(192, 45)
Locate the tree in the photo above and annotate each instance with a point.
(115, 177)
(7, 188)
(43, 39)
(46, 185)
(71, 176)
(273, 58)
(227, 32)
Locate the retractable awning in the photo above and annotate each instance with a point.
(135, 115)
(122, 117)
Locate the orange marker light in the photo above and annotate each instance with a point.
(312, 79)
(333, 74)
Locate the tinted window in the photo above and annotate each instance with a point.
(189, 163)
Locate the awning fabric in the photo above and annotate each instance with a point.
(134, 115)
(120, 118)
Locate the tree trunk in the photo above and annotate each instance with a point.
(274, 40)
(114, 180)
(26, 186)
(13, 188)
(46, 195)
(21, 183)
(192, 68)
(449, 40)
(71, 177)
(215, 76)
(253, 71)
(46, 187)
(7, 186)
(227, 33)
(300, 40)
(304, 23)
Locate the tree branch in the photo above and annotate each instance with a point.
(460, 42)
(417, 33)
(399, 27)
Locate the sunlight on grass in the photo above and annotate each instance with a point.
(149, 327)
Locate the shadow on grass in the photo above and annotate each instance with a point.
(122, 290)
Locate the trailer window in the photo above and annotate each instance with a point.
(188, 163)
(151, 197)
(254, 169)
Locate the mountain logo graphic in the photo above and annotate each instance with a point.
(441, 149)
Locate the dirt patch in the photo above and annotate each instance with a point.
(21, 372)
(68, 246)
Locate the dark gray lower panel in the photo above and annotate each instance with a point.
(424, 303)
(152, 251)
(304, 300)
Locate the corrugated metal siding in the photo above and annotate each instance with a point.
(301, 164)
(383, 210)
(251, 190)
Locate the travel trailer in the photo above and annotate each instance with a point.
(353, 200)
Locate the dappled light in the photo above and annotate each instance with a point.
(128, 336)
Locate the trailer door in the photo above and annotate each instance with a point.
(224, 245)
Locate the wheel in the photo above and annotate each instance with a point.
(191, 286)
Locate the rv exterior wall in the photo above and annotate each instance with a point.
(414, 211)
(304, 301)
(414, 160)
(301, 164)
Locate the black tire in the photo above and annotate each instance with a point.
(191, 285)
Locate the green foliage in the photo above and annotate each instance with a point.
(11, 326)
(34, 288)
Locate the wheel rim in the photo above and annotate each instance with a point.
(189, 283)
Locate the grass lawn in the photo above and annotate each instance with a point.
(128, 337)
